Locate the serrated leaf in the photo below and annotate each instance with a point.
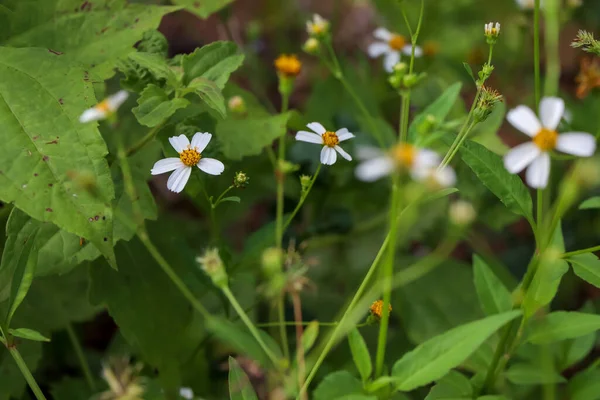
(310, 335)
(45, 146)
(561, 325)
(204, 8)
(490, 170)
(240, 387)
(585, 385)
(91, 33)
(337, 384)
(469, 71)
(452, 386)
(210, 93)
(493, 295)
(28, 334)
(437, 356)
(12, 383)
(155, 106)
(360, 354)
(591, 203)
(439, 109)
(587, 267)
(156, 65)
(527, 374)
(214, 62)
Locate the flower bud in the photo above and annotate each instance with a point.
(427, 125)
(485, 73)
(492, 31)
(212, 265)
(318, 26)
(462, 213)
(272, 259)
(237, 105)
(305, 183)
(311, 46)
(376, 309)
(240, 180)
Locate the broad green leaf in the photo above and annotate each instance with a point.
(570, 352)
(490, 170)
(585, 385)
(240, 387)
(210, 93)
(439, 109)
(248, 137)
(214, 62)
(12, 383)
(46, 150)
(592, 202)
(155, 106)
(204, 8)
(527, 374)
(91, 33)
(436, 357)
(310, 336)
(337, 384)
(587, 267)
(452, 386)
(28, 334)
(360, 354)
(561, 325)
(493, 295)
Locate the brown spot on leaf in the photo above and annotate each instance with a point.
(91, 219)
(86, 6)
(36, 137)
(36, 174)
(45, 158)
(106, 239)
(58, 53)
(55, 141)
(61, 101)
(96, 218)
(50, 185)
(49, 209)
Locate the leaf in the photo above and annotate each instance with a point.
(234, 199)
(592, 202)
(469, 71)
(310, 336)
(94, 34)
(573, 351)
(434, 358)
(239, 384)
(204, 8)
(337, 384)
(155, 106)
(356, 396)
(28, 334)
(360, 354)
(452, 386)
(46, 149)
(210, 93)
(527, 374)
(490, 170)
(72, 388)
(493, 295)
(214, 62)
(587, 267)
(156, 65)
(12, 383)
(561, 325)
(486, 132)
(248, 137)
(585, 385)
(439, 109)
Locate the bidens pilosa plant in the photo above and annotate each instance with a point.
(234, 199)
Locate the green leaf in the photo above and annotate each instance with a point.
(155, 106)
(379, 383)
(210, 93)
(28, 334)
(72, 388)
(94, 34)
(12, 383)
(233, 199)
(204, 8)
(585, 385)
(360, 354)
(527, 374)
(337, 384)
(493, 295)
(490, 170)
(310, 336)
(356, 396)
(439, 109)
(248, 137)
(436, 357)
(45, 146)
(592, 202)
(486, 132)
(573, 351)
(561, 325)
(587, 267)
(214, 62)
(469, 71)
(452, 386)
(239, 384)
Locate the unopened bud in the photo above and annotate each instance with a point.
(311, 46)
(237, 105)
(272, 259)
(492, 31)
(427, 125)
(287, 167)
(462, 213)
(411, 80)
(485, 73)
(305, 183)
(318, 26)
(212, 265)
(240, 180)
(400, 67)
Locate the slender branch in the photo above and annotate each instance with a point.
(582, 251)
(536, 52)
(39, 395)
(145, 140)
(85, 367)
(299, 345)
(302, 198)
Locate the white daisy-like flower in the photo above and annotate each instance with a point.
(105, 108)
(492, 29)
(391, 46)
(190, 154)
(317, 26)
(422, 164)
(535, 154)
(186, 393)
(328, 139)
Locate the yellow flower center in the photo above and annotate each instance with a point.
(397, 42)
(190, 157)
(288, 65)
(330, 139)
(404, 155)
(103, 106)
(545, 139)
(317, 28)
(377, 308)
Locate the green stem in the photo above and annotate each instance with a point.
(539, 211)
(85, 367)
(490, 377)
(244, 317)
(552, 32)
(302, 198)
(282, 331)
(582, 251)
(547, 365)
(218, 201)
(303, 323)
(460, 139)
(145, 140)
(26, 373)
(536, 52)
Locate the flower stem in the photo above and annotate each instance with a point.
(303, 197)
(296, 301)
(460, 139)
(282, 331)
(552, 33)
(85, 367)
(536, 52)
(582, 251)
(26, 373)
(145, 140)
(539, 211)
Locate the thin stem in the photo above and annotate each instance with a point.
(552, 36)
(490, 377)
(85, 367)
(539, 211)
(218, 201)
(145, 140)
(303, 323)
(296, 301)
(302, 198)
(536, 52)
(244, 317)
(282, 331)
(582, 251)
(462, 136)
(26, 373)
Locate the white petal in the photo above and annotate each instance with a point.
(576, 143)
(524, 119)
(538, 172)
(383, 34)
(368, 153)
(551, 112)
(426, 159)
(376, 49)
(374, 169)
(408, 50)
(179, 143)
(343, 153)
(166, 165)
(316, 127)
(117, 99)
(344, 134)
(328, 156)
(211, 166)
(520, 156)
(201, 140)
(92, 114)
(445, 177)
(186, 393)
(309, 137)
(392, 58)
(178, 179)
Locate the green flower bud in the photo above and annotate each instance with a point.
(272, 259)
(311, 46)
(212, 265)
(240, 180)
(237, 105)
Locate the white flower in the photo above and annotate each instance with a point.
(318, 26)
(391, 45)
(105, 108)
(186, 393)
(421, 163)
(328, 139)
(189, 155)
(534, 154)
(492, 29)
